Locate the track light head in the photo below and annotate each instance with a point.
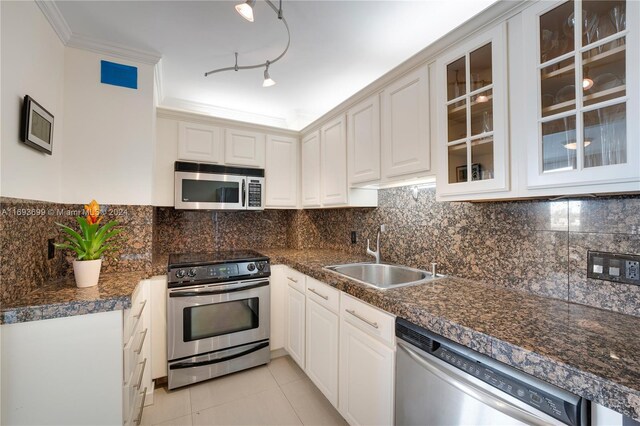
(268, 81)
(246, 9)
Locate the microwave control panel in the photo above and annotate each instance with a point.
(255, 194)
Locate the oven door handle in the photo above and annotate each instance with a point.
(218, 291)
(244, 192)
(216, 361)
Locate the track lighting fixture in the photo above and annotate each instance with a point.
(246, 11)
(268, 81)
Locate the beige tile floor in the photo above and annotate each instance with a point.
(276, 394)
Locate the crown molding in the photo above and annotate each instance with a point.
(113, 49)
(202, 118)
(70, 39)
(158, 82)
(56, 20)
(225, 113)
(497, 12)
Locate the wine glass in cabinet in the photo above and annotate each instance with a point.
(582, 91)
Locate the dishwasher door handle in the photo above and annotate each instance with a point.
(471, 389)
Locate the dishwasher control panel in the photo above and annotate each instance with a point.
(547, 403)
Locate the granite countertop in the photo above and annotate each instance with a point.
(591, 352)
(61, 298)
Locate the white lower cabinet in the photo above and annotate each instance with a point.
(137, 383)
(294, 339)
(366, 378)
(278, 298)
(323, 303)
(367, 363)
(96, 367)
(350, 348)
(322, 349)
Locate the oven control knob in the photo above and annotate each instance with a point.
(251, 267)
(191, 273)
(180, 273)
(260, 266)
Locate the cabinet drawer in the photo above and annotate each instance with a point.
(132, 388)
(138, 405)
(134, 315)
(296, 280)
(323, 294)
(369, 319)
(133, 351)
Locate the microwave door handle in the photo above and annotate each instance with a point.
(244, 192)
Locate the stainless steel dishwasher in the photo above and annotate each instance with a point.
(439, 382)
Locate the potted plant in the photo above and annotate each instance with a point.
(89, 244)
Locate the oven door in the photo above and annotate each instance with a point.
(207, 318)
(210, 191)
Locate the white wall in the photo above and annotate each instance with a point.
(109, 133)
(32, 64)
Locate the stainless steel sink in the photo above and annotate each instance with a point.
(383, 276)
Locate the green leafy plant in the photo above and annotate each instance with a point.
(91, 242)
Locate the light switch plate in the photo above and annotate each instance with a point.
(616, 267)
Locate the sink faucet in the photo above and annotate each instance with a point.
(376, 253)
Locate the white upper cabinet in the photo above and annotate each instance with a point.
(333, 162)
(472, 117)
(281, 172)
(405, 125)
(581, 114)
(199, 142)
(363, 141)
(244, 148)
(311, 170)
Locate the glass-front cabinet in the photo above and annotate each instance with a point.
(472, 116)
(581, 77)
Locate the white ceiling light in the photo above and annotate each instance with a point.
(246, 11)
(268, 81)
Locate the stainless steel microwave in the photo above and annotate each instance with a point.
(201, 186)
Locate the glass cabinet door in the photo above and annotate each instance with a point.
(470, 116)
(581, 64)
(472, 127)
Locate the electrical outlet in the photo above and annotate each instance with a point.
(632, 270)
(354, 237)
(619, 268)
(51, 249)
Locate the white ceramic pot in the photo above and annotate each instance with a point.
(87, 272)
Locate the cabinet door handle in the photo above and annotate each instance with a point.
(144, 335)
(372, 324)
(144, 303)
(139, 416)
(144, 364)
(291, 279)
(313, 290)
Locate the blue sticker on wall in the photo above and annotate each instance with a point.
(118, 74)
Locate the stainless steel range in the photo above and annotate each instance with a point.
(217, 314)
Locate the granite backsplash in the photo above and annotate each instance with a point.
(27, 225)
(538, 246)
(535, 246)
(178, 231)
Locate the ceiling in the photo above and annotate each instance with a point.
(337, 48)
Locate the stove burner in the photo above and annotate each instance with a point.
(215, 267)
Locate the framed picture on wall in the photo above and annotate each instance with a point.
(37, 126)
(461, 173)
